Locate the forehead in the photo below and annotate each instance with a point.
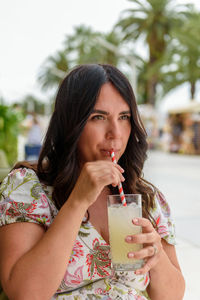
(109, 98)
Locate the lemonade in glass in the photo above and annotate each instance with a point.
(120, 225)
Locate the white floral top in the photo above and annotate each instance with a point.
(88, 276)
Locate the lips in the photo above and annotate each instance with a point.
(106, 152)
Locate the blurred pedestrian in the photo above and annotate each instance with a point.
(33, 146)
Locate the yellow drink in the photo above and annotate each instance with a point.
(120, 225)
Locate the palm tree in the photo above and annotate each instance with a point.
(182, 58)
(152, 21)
(142, 80)
(187, 51)
(53, 70)
(80, 47)
(107, 54)
(84, 46)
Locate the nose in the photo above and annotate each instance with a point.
(113, 130)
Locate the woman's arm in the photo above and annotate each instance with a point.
(33, 262)
(166, 279)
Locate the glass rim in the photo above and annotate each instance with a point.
(118, 195)
(130, 198)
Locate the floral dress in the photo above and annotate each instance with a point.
(88, 275)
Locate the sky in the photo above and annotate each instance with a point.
(31, 30)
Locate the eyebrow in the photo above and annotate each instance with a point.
(103, 112)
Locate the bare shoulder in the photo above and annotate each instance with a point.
(16, 239)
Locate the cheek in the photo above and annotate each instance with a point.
(94, 133)
(127, 132)
(88, 138)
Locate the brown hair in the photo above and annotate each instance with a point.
(75, 101)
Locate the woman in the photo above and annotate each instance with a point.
(58, 244)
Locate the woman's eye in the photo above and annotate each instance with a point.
(125, 117)
(98, 117)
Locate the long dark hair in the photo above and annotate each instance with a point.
(58, 161)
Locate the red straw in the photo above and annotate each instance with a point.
(121, 192)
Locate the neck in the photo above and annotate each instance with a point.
(104, 193)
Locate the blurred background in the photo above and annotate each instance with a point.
(156, 43)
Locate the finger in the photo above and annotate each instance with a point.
(145, 223)
(143, 253)
(111, 167)
(142, 238)
(113, 178)
(119, 179)
(107, 173)
(118, 167)
(151, 262)
(103, 164)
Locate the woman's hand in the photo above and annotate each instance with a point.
(152, 245)
(94, 177)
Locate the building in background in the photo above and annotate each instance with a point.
(149, 117)
(184, 128)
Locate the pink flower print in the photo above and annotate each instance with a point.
(139, 297)
(164, 205)
(161, 198)
(130, 293)
(3, 207)
(163, 230)
(74, 279)
(77, 252)
(98, 259)
(43, 219)
(13, 172)
(158, 221)
(98, 291)
(22, 172)
(20, 208)
(44, 201)
(146, 280)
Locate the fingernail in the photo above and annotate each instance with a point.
(123, 179)
(138, 272)
(128, 238)
(135, 221)
(131, 255)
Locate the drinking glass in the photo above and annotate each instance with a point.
(120, 225)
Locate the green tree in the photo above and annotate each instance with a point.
(9, 129)
(152, 22)
(53, 70)
(30, 104)
(81, 47)
(184, 55)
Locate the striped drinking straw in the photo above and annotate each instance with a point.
(121, 192)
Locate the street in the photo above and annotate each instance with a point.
(178, 177)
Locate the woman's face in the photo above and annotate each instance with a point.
(108, 127)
